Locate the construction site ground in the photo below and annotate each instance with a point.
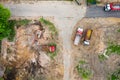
(34, 64)
(24, 54)
(105, 30)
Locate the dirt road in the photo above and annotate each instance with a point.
(66, 15)
(65, 25)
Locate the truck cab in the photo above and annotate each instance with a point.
(107, 7)
(112, 7)
(78, 35)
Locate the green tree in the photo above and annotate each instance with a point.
(4, 16)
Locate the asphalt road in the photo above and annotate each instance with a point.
(97, 11)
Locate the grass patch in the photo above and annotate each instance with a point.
(118, 30)
(113, 49)
(52, 54)
(1, 78)
(81, 62)
(50, 25)
(12, 23)
(83, 72)
(22, 22)
(102, 57)
(115, 75)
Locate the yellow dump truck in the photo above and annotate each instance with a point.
(87, 36)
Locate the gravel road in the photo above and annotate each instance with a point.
(66, 15)
(97, 11)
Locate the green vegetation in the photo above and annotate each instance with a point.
(7, 26)
(50, 25)
(118, 30)
(4, 14)
(91, 1)
(12, 23)
(10, 73)
(115, 75)
(102, 57)
(83, 72)
(4, 28)
(52, 54)
(81, 62)
(1, 78)
(0, 46)
(22, 22)
(113, 49)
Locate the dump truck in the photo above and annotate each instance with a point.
(87, 36)
(112, 7)
(78, 36)
(48, 48)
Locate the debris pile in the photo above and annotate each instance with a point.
(27, 56)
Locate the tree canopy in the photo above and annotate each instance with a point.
(4, 16)
(4, 13)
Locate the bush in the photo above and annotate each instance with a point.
(83, 72)
(101, 57)
(4, 14)
(12, 23)
(4, 28)
(7, 27)
(50, 25)
(113, 48)
(115, 75)
(118, 30)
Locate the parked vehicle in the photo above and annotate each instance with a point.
(87, 36)
(78, 36)
(48, 48)
(112, 7)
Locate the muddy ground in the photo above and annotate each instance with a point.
(105, 30)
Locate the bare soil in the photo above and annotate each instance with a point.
(28, 60)
(104, 31)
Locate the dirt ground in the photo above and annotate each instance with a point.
(104, 31)
(26, 57)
